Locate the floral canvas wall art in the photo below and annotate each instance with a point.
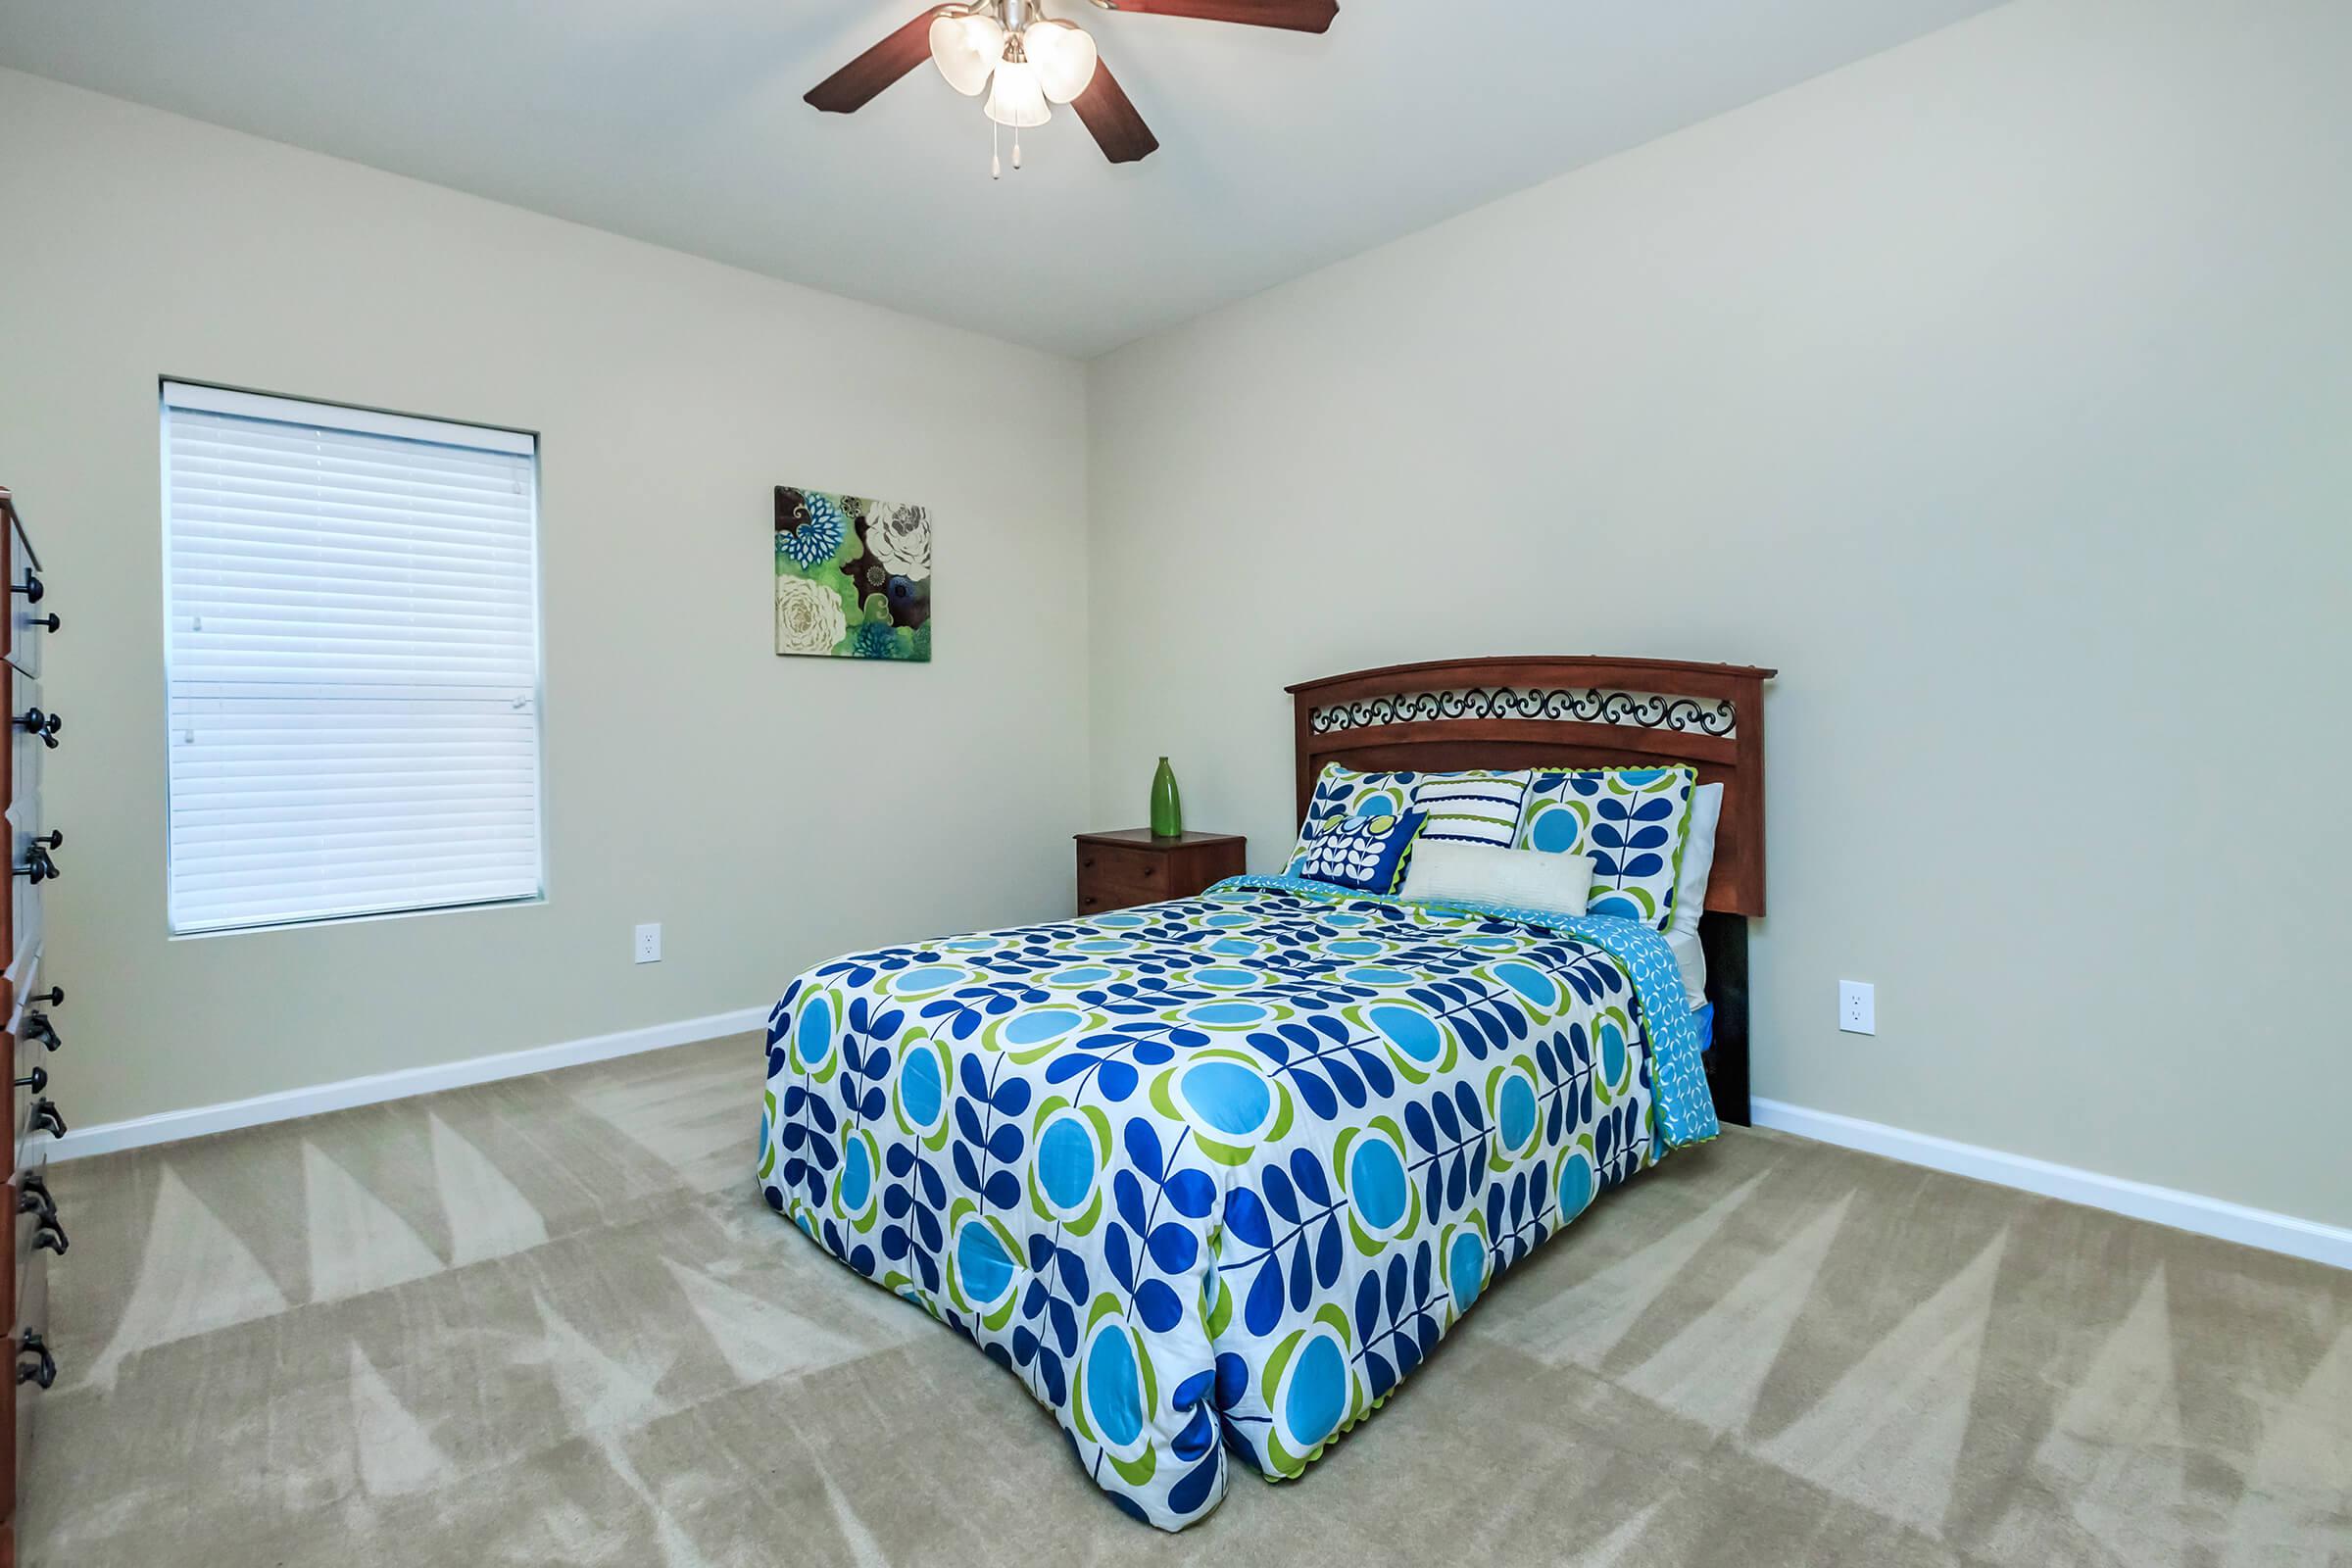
(852, 576)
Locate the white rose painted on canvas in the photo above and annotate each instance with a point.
(900, 538)
(809, 617)
(852, 576)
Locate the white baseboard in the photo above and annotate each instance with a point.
(2165, 1205)
(171, 1126)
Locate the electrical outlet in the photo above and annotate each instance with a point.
(1858, 1007)
(649, 944)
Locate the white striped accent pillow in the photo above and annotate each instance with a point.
(1479, 806)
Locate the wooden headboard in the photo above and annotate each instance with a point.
(1557, 712)
(1578, 712)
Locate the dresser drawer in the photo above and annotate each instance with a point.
(1116, 880)
(26, 749)
(1111, 865)
(20, 1402)
(39, 1232)
(23, 1409)
(1101, 897)
(30, 1142)
(33, 1018)
(12, 1408)
(23, 569)
(25, 1293)
(26, 1055)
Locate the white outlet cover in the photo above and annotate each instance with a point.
(649, 944)
(1858, 1007)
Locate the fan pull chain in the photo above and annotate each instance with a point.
(995, 160)
(1016, 146)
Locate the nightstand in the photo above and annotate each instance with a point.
(1131, 866)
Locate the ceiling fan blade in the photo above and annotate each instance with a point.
(1299, 16)
(861, 81)
(1111, 116)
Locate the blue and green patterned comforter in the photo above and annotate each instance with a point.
(1214, 1175)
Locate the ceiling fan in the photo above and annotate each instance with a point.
(1026, 61)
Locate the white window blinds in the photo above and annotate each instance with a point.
(353, 642)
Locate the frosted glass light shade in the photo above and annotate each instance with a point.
(1017, 99)
(966, 48)
(1064, 57)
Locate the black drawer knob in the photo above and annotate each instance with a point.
(33, 722)
(53, 996)
(45, 1116)
(32, 1198)
(39, 1027)
(48, 622)
(35, 1080)
(32, 588)
(44, 1368)
(37, 867)
(50, 1236)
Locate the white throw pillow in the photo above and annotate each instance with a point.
(1691, 891)
(1698, 859)
(1532, 879)
(1691, 960)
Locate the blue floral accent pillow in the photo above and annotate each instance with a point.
(1630, 822)
(1344, 791)
(1363, 852)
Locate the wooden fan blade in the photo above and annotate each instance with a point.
(1111, 116)
(1299, 16)
(861, 81)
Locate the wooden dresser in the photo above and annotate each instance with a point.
(1131, 866)
(29, 999)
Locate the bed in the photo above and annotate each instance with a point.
(1213, 1177)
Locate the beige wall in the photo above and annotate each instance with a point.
(768, 811)
(1998, 390)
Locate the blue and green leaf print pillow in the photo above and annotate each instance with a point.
(1363, 852)
(1343, 791)
(1629, 822)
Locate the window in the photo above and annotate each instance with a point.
(353, 661)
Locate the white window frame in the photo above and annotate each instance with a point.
(174, 392)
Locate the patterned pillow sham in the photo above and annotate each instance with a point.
(1478, 806)
(1631, 822)
(1363, 852)
(1344, 791)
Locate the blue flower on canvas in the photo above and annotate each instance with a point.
(810, 527)
(876, 640)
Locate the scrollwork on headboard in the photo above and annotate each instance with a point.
(1592, 706)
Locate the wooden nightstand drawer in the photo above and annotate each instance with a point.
(1097, 901)
(1117, 870)
(1116, 865)
(1098, 890)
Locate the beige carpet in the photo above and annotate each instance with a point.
(549, 1321)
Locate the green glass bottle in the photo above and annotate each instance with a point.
(1167, 806)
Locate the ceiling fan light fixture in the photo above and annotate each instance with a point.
(1025, 61)
(1064, 55)
(966, 45)
(1017, 99)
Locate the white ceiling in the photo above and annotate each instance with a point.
(680, 122)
